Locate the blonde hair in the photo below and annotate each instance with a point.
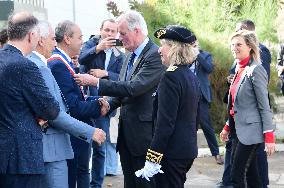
(251, 41)
(181, 53)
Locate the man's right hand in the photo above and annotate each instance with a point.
(99, 136)
(106, 43)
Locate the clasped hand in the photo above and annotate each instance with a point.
(150, 169)
(104, 106)
(86, 80)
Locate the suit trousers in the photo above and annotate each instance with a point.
(261, 160)
(174, 175)
(56, 175)
(130, 164)
(78, 168)
(206, 126)
(244, 172)
(226, 179)
(99, 155)
(20, 180)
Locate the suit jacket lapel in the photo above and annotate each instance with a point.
(111, 61)
(139, 59)
(124, 68)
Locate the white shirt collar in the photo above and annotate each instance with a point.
(42, 58)
(67, 56)
(140, 48)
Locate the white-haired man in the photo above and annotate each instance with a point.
(139, 77)
(57, 135)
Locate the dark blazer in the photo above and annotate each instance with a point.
(175, 114)
(135, 98)
(265, 57)
(204, 66)
(23, 97)
(78, 107)
(92, 60)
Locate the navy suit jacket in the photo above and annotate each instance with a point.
(175, 114)
(92, 60)
(23, 97)
(203, 69)
(78, 107)
(56, 141)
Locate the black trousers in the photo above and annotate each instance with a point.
(244, 165)
(130, 164)
(174, 173)
(20, 180)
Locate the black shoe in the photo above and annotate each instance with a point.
(219, 160)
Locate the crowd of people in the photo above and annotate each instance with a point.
(59, 97)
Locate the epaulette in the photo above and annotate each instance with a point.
(154, 156)
(172, 68)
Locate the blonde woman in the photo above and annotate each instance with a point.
(174, 145)
(250, 117)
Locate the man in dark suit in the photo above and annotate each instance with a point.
(138, 80)
(102, 59)
(202, 67)
(24, 99)
(69, 40)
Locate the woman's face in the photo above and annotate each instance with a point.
(164, 50)
(239, 48)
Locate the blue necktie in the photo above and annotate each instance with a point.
(130, 64)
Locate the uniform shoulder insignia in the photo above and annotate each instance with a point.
(172, 68)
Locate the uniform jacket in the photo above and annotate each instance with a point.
(175, 114)
(203, 69)
(56, 141)
(78, 107)
(23, 97)
(91, 60)
(252, 111)
(135, 98)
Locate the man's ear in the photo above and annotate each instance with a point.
(30, 36)
(41, 42)
(67, 39)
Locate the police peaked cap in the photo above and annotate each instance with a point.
(177, 33)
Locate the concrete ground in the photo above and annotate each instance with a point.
(205, 173)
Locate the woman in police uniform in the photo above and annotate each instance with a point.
(174, 145)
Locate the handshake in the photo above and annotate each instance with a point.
(86, 79)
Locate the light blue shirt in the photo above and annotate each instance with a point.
(140, 48)
(108, 54)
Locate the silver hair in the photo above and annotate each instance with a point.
(134, 20)
(64, 28)
(44, 27)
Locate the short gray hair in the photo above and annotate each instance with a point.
(63, 28)
(20, 24)
(43, 28)
(134, 20)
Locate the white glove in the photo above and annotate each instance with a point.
(150, 169)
